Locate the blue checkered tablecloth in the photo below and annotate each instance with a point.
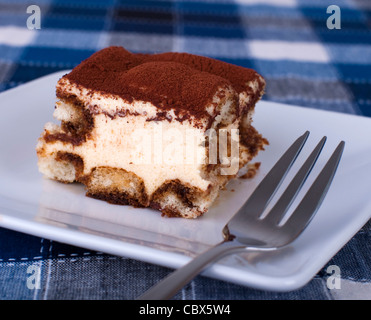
(287, 41)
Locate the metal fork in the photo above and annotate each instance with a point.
(249, 230)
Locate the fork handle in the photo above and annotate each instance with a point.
(170, 285)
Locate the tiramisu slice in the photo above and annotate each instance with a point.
(166, 131)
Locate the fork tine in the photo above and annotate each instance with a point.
(315, 195)
(268, 186)
(284, 202)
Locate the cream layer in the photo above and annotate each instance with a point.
(155, 151)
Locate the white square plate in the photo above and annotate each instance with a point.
(32, 204)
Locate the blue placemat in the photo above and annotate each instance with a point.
(304, 61)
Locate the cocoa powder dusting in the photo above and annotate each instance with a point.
(236, 75)
(183, 82)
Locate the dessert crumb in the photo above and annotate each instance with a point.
(252, 169)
